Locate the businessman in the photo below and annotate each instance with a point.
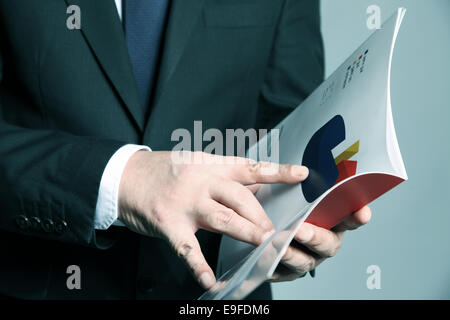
(87, 177)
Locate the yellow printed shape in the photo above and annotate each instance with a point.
(348, 153)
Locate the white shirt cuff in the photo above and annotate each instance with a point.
(106, 211)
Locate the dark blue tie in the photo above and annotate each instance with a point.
(144, 26)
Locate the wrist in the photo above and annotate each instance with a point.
(129, 184)
(106, 211)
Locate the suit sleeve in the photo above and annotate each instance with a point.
(296, 65)
(49, 181)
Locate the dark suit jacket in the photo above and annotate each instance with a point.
(68, 101)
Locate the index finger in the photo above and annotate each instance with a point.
(251, 172)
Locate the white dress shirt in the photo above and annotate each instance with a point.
(119, 7)
(106, 211)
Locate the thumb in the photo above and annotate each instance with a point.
(188, 249)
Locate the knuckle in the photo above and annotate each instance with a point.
(287, 169)
(271, 169)
(334, 250)
(254, 167)
(159, 214)
(288, 255)
(309, 264)
(186, 252)
(183, 249)
(223, 218)
(306, 265)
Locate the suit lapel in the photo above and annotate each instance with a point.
(102, 29)
(184, 15)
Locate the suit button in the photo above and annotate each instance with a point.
(23, 222)
(47, 225)
(35, 223)
(60, 227)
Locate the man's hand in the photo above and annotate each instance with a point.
(312, 245)
(159, 197)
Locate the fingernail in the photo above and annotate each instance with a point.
(300, 171)
(305, 234)
(206, 280)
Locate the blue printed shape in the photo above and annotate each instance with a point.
(323, 172)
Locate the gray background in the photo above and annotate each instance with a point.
(409, 235)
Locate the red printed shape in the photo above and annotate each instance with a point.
(351, 196)
(347, 169)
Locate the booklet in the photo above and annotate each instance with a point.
(344, 133)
